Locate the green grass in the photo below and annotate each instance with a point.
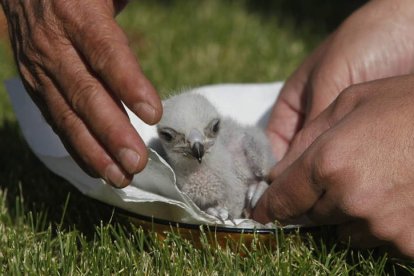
(47, 227)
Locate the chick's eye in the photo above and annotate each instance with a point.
(216, 127)
(166, 135)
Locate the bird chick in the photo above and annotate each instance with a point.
(221, 165)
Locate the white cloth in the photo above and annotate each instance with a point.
(153, 192)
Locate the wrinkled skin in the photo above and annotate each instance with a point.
(345, 132)
(76, 64)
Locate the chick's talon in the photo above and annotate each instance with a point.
(219, 212)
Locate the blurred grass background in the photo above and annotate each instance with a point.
(179, 44)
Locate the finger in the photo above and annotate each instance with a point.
(100, 112)
(104, 47)
(285, 120)
(287, 115)
(329, 77)
(324, 89)
(77, 139)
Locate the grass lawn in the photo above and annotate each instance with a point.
(47, 227)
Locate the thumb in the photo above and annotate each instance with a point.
(287, 115)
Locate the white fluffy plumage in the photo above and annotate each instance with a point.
(221, 165)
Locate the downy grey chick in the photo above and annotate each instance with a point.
(221, 165)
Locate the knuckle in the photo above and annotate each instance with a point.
(352, 204)
(278, 205)
(279, 209)
(65, 9)
(38, 39)
(354, 201)
(329, 165)
(338, 173)
(101, 56)
(38, 49)
(347, 99)
(303, 137)
(45, 40)
(28, 55)
(84, 92)
(106, 46)
(65, 123)
(333, 170)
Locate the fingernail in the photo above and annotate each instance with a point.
(146, 112)
(114, 175)
(129, 160)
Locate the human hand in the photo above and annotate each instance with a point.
(76, 64)
(377, 41)
(353, 166)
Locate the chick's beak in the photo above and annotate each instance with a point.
(198, 151)
(196, 138)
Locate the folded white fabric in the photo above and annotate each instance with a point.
(153, 192)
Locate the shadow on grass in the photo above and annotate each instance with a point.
(22, 174)
(319, 15)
